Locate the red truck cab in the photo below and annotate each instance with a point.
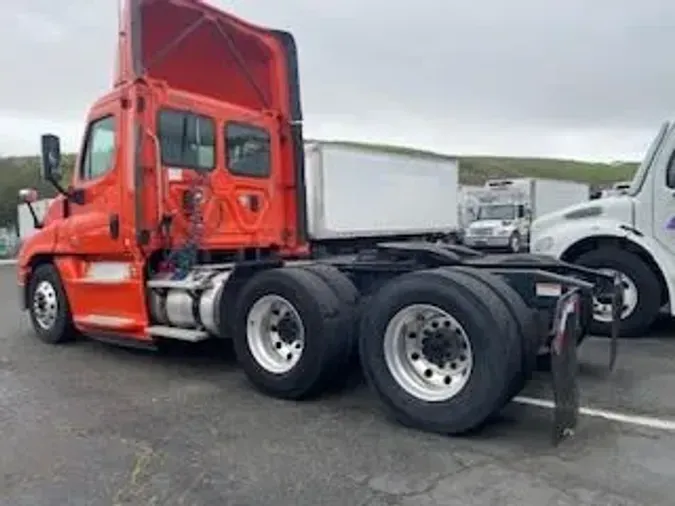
(201, 100)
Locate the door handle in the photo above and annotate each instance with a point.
(114, 226)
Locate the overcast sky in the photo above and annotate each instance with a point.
(575, 78)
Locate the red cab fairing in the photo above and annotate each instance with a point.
(197, 48)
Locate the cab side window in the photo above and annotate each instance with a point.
(247, 149)
(670, 172)
(187, 140)
(99, 151)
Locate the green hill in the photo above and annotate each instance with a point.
(476, 169)
(23, 172)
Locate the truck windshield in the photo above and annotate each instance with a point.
(497, 212)
(643, 170)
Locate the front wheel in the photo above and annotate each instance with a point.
(515, 243)
(642, 292)
(48, 306)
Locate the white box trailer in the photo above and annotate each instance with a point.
(355, 192)
(25, 220)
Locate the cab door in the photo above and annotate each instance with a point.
(93, 227)
(251, 150)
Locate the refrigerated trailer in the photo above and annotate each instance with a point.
(194, 220)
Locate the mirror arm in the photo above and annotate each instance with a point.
(36, 221)
(72, 195)
(58, 187)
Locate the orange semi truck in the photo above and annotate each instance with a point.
(186, 219)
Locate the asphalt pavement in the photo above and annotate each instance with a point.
(92, 424)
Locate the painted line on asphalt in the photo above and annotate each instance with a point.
(639, 420)
(7, 262)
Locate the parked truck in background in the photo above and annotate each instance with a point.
(508, 206)
(195, 213)
(632, 234)
(6, 249)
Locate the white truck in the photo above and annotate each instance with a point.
(363, 192)
(631, 234)
(507, 207)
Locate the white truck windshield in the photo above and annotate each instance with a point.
(497, 212)
(643, 169)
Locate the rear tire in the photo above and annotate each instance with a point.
(48, 306)
(291, 312)
(640, 280)
(524, 317)
(348, 294)
(484, 327)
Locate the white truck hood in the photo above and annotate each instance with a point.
(616, 208)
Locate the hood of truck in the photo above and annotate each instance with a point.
(197, 48)
(618, 208)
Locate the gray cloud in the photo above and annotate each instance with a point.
(576, 78)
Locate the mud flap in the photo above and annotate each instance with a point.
(564, 365)
(617, 305)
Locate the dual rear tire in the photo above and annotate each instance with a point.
(443, 349)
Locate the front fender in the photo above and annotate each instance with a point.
(557, 241)
(42, 243)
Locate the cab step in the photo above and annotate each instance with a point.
(190, 335)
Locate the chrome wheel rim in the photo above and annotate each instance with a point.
(602, 309)
(428, 352)
(275, 334)
(45, 305)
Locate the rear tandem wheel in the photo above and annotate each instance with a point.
(292, 333)
(441, 350)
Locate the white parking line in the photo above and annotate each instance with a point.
(642, 421)
(7, 262)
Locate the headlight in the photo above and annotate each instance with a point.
(543, 244)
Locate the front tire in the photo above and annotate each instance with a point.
(48, 306)
(515, 243)
(642, 296)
